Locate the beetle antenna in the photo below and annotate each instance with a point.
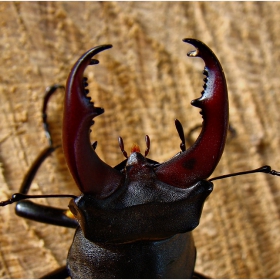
(20, 196)
(263, 169)
(122, 147)
(148, 144)
(49, 92)
(180, 130)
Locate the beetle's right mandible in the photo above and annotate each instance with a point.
(91, 174)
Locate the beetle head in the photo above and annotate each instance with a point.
(139, 187)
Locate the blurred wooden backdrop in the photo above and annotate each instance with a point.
(144, 83)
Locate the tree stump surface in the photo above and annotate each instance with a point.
(144, 83)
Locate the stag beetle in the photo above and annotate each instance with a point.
(133, 220)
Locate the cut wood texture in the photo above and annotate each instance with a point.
(144, 83)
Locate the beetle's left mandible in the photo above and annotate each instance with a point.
(199, 161)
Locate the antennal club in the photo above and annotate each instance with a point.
(180, 131)
(122, 147)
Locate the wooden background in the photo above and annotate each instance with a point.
(144, 83)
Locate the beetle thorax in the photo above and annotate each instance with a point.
(142, 186)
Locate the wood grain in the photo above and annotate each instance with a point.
(144, 83)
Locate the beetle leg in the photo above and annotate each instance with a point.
(25, 185)
(33, 211)
(37, 212)
(91, 174)
(49, 92)
(45, 214)
(199, 161)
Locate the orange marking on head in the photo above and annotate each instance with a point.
(135, 148)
